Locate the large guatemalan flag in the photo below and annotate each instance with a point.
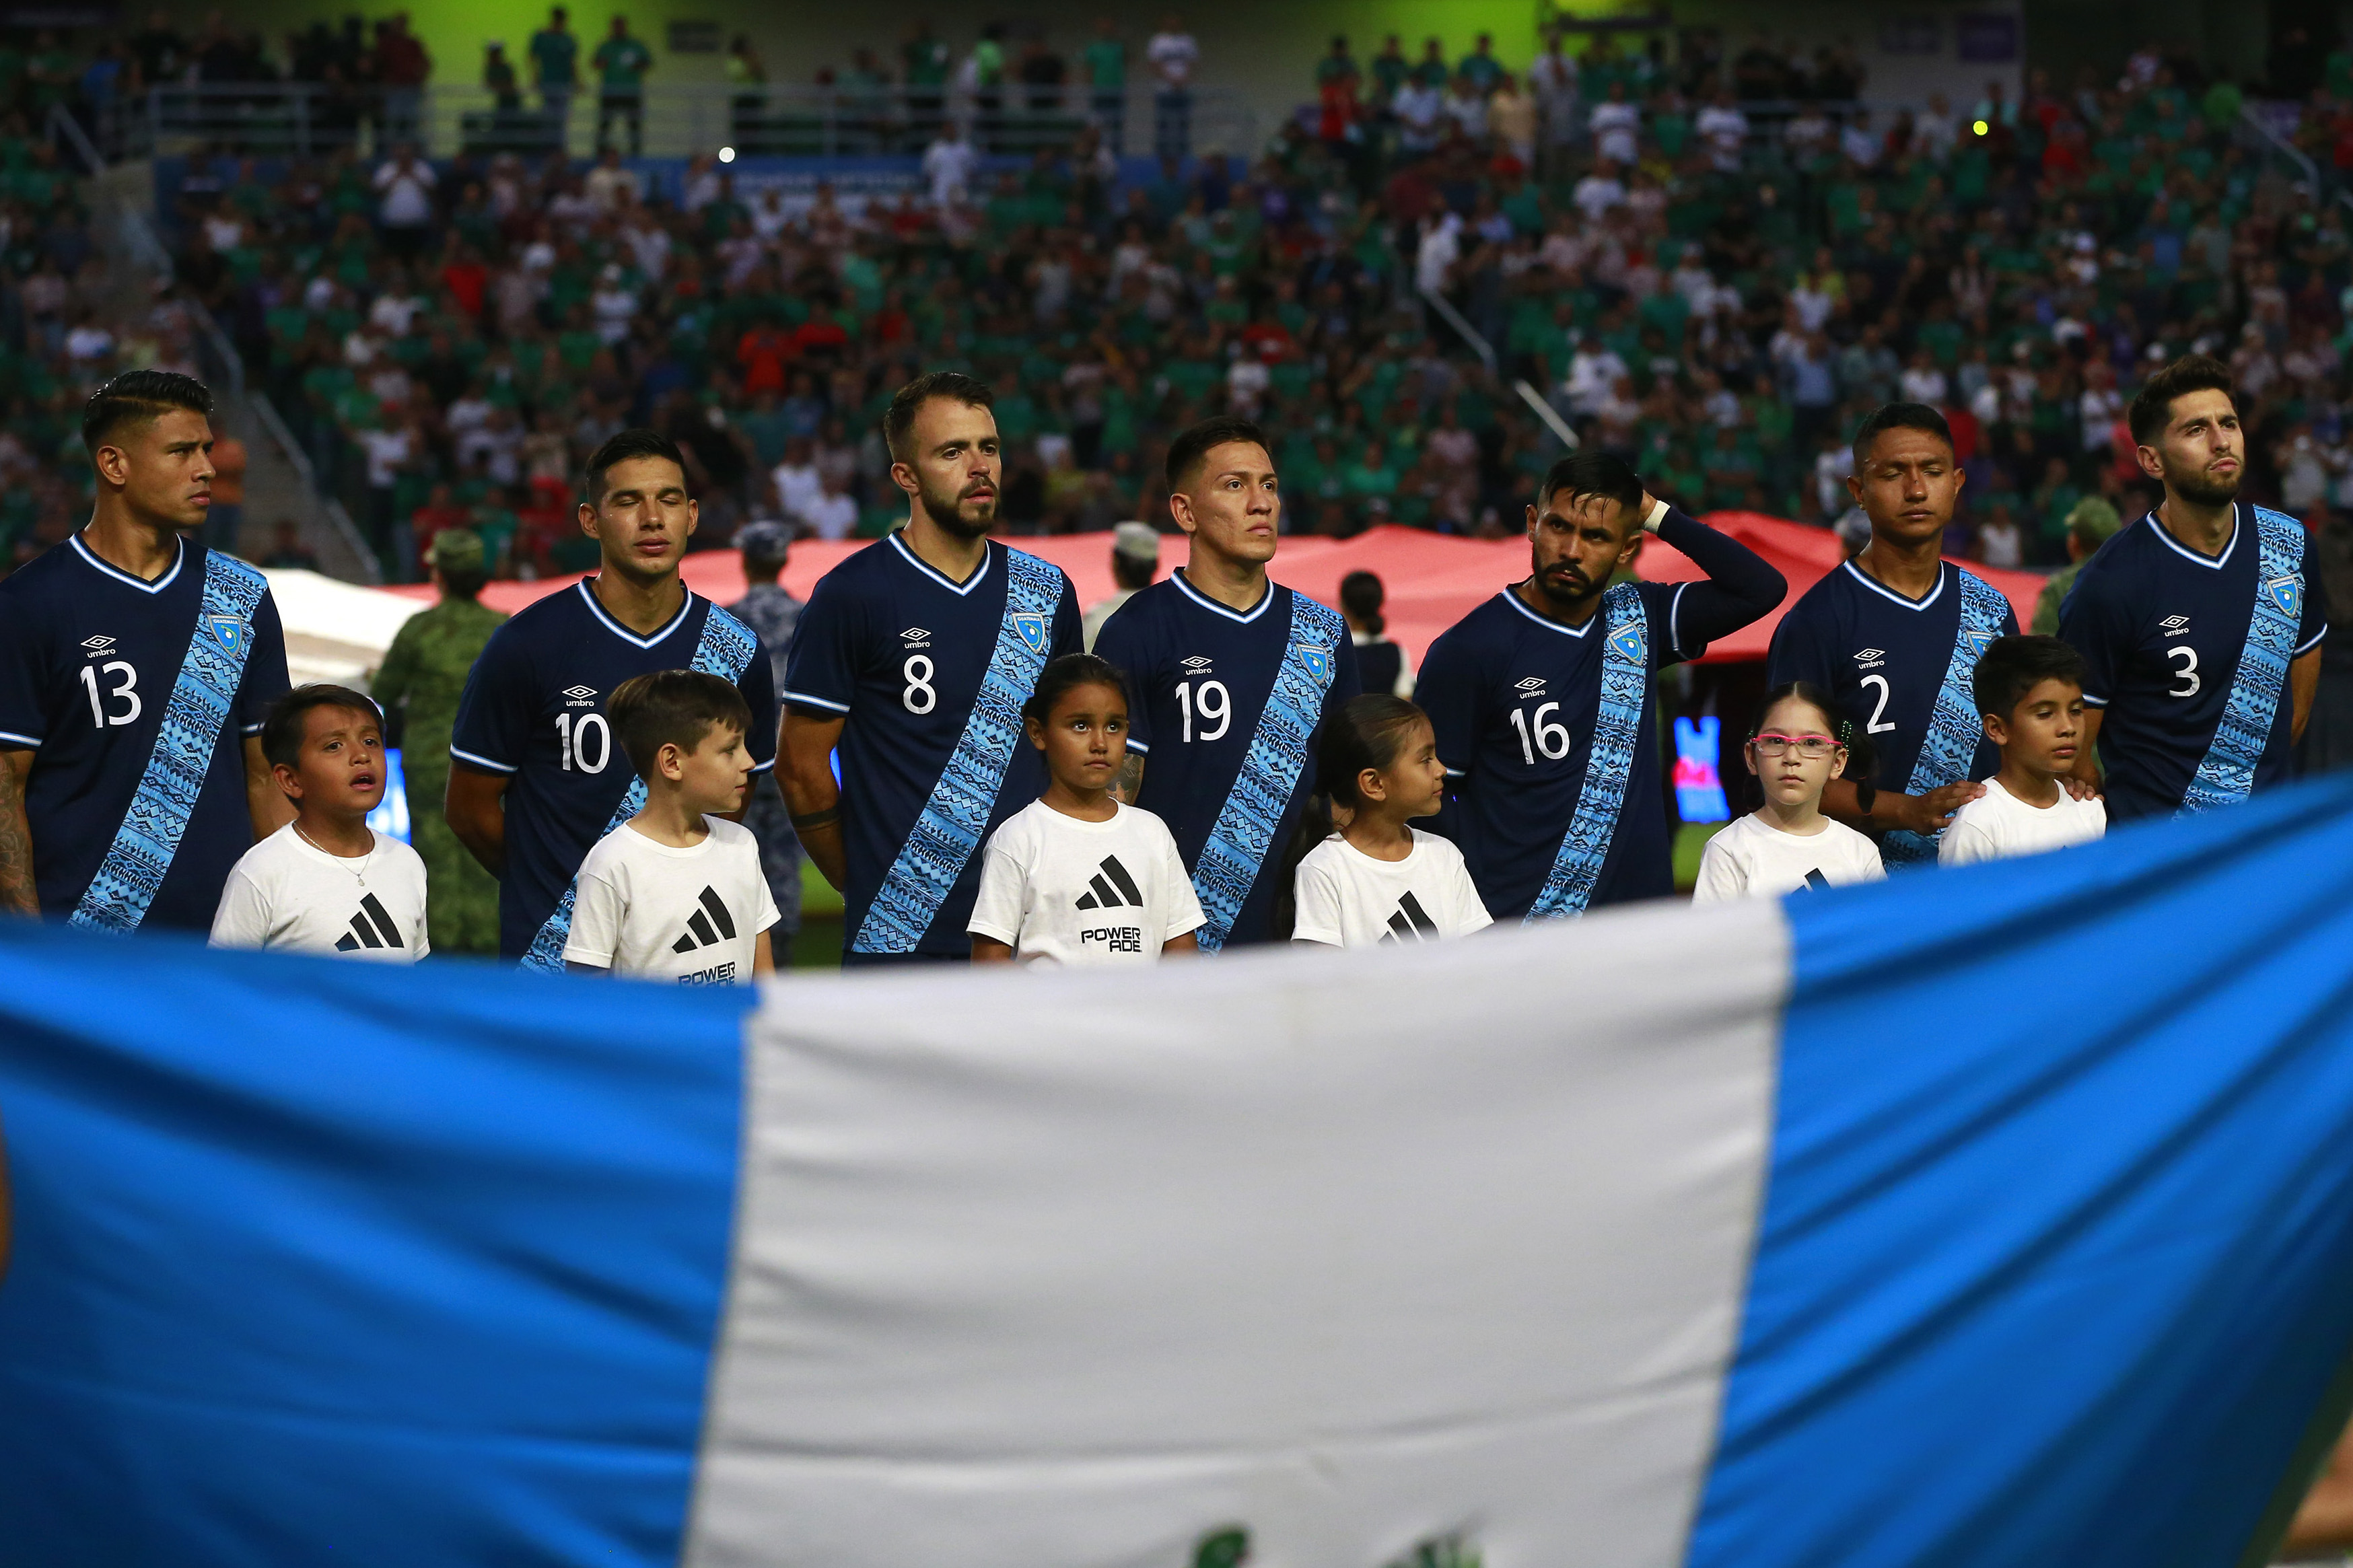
(1997, 1217)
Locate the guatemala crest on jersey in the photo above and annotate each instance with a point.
(1030, 627)
(2287, 593)
(1317, 658)
(1629, 642)
(1976, 640)
(229, 631)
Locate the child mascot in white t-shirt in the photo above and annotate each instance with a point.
(676, 894)
(2029, 693)
(1076, 876)
(1787, 844)
(1377, 879)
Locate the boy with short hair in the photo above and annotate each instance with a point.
(675, 893)
(2029, 695)
(326, 882)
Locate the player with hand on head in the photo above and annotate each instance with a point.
(536, 778)
(1542, 697)
(136, 670)
(1079, 877)
(1229, 675)
(1894, 634)
(914, 659)
(326, 882)
(2199, 624)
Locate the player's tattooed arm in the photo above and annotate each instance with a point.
(1129, 784)
(17, 894)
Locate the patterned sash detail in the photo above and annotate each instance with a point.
(955, 818)
(1608, 762)
(1953, 728)
(725, 649)
(140, 855)
(2226, 775)
(1239, 841)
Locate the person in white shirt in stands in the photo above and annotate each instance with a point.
(676, 893)
(1615, 124)
(1378, 878)
(1787, 844)
(1134, 563)
(2029, 693)
(1076, 876)
(325, 882)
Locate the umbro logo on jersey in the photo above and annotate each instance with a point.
(1197, 665)
(1530, 687)
(97, 644)
(2175, 625)
(916, 637)
(1410, 922)
(581, 696)
(1871, 658)
(371, 927)
(708, 926)
(1112, 887)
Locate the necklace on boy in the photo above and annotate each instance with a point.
(359, 870)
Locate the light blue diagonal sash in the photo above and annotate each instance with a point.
(140, 855)
(1609, 762)
(2226, 774)
(725, 649)
(955, 817)
(1238, 840)
(1954, 727)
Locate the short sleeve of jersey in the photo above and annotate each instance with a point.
(758, 684)
(265, 669)
(1069, 622)
(1120, 645)
(1799, 652)
(1348, 680)
(1448, 692)
(1659, 602)
(24, 675)
(821, 669)
(493, 725)
(2090, 622)
(2314, 625)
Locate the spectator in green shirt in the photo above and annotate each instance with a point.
(556, 69)
(1105, 63)
(621, 63)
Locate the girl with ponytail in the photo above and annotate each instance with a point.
(1797, 746)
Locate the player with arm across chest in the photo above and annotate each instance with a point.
(1230, 677)
(912, 660)
(1895, 636)
(2200, 624)
(535, 777)
(1541, 699)
(136, 670)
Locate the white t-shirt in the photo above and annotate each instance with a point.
(1345, 898)
(1751, 858)
(1172, 56)
(686, 915)
(1057, 889)
(286, 894)
(1998, 824)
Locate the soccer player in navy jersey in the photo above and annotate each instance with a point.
(535, 778)
(914, 659)
(2200, 624)
(136, 669)
(1542, 697)
(1894, 634)
(1230, 677)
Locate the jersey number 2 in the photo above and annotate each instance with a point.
(127, 690)
(1877, 726)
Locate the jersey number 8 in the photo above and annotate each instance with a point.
(919, 697)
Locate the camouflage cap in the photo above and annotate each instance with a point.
(764, 541)
(457, 550)
(2093, 520)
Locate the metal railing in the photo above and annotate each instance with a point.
(1477, 342)
(672, 119)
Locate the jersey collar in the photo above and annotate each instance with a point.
(157, 586)
(1243, 617)
(1511, 596)
(1890, 594)
(979, 574)
(605, 616)
(2211, 562)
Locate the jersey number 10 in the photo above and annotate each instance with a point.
(571, 733)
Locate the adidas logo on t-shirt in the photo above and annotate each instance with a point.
(708, 925)
(1410, 922)
(371, 927)
(1120, 889)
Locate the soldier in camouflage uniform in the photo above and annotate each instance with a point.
(425, 673)
(768, 610)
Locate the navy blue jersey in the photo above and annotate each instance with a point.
(2162, 628)
(87, 658)
(1882, 657)
(1198, 675)
(534, 710)
(1514, 697)
(900, 650)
